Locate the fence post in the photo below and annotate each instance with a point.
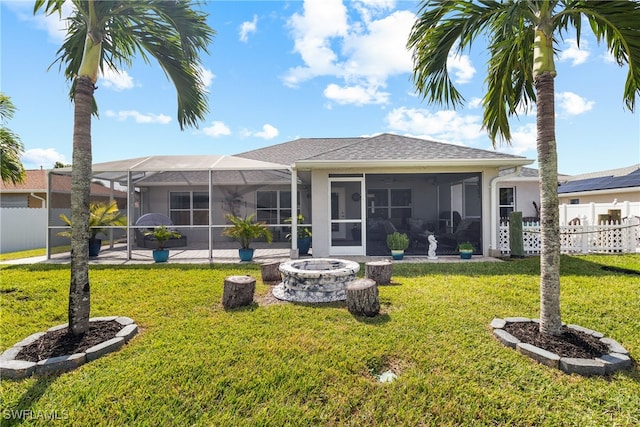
(516, 240)
(585, 236)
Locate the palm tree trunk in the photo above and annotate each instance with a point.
(550, 321)
(79, 291)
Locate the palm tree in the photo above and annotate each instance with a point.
(522, 36)
(11, 147)
(109, 34)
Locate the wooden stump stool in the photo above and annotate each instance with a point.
(270, 272)
(238, 291)
(379, 271)
(362, 297)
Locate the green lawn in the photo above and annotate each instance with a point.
(194, 363)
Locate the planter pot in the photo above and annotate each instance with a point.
(304, 243)
(466, 254)
(397, 254)
(160, 255)
(245, 254)
(94, 247)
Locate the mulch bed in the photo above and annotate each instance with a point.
(571, 343)
(62, 343)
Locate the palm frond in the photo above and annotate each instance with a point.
(173, 33)
(616, 24)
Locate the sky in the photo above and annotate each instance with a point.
(281, 70)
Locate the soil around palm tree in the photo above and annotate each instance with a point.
(572, 343)
(61, 343)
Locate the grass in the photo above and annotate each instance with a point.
(194, 363)
(33, 253)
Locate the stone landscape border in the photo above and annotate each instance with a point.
(616, 360)
(13, 368)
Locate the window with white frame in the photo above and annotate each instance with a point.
(189, 207)
(389, 203)
(507, 202)
(273, 207)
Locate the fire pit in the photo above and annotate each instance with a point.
(315, 280)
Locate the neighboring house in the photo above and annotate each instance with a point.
(352, 191)
(34, 192)
(602, 187)
(519, 192)
(25, 207)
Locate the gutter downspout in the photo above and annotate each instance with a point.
(494, 250)
(43, 200)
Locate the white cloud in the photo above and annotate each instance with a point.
(380, 50)
(461, 67)
(523, 139)
(138, 117)
(248, 27)
(371, 49)
(267, 132)
(573, 104)
(42, 157)
(574, 54)
(312, 32)
(356, 95)
(443, 125)
(54, 25)
(216, 129)
(206, 76)
(475, 103)
(116, 80)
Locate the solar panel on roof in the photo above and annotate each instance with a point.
(601, 183)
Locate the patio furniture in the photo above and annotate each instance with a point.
(468, 231)
(150, 221)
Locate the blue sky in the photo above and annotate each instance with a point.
(281, 70)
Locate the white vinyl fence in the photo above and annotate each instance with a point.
(607, 237)
(22, 229)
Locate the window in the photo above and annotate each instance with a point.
(189, 207)
(273, 207)
(574, 201)
(389, 203)
(507, 201)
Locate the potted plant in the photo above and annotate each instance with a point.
(304, 236)
(245, 230)
(397, 242)
(161, 234)
(101, 215)
(465, 250)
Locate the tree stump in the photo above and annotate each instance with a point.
(362, 298)
(238, 291)
(379, 271)
(270, 272)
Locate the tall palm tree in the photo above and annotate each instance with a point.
(109, 34)
(11, 148)
(522, 36)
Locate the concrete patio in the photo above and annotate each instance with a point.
(117, 255)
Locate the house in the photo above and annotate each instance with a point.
(30, 208)
(602, 187)
(35, 191)
(351, 191)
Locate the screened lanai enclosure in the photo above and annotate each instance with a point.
(446, 205)
(193, 193)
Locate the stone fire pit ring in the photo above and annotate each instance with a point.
(315, 280)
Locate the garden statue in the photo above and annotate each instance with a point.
(433, 244)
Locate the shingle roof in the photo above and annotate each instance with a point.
(376, 148)
(34, 180)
